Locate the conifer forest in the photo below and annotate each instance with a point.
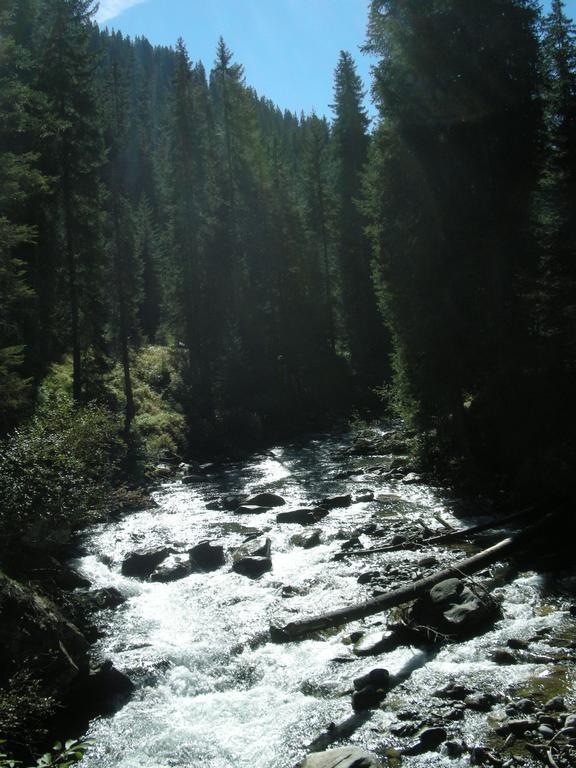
(197, 287)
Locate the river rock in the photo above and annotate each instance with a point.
(345, 757)
(453, 691)
(307, 540)
(226, 503)
(453, 609)
(173, 568)
(302, 516)
(368, 697)
(428, 740)
(253, 558)
(266, 500)
(102, 691)
(556, 704)
(206, 556)
(364, 496)
(368, 576)
(480, 702)
(251, 509)
(100, 599)
(379, 678)
(336, 502)
(143, 562)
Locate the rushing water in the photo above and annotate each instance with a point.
(212, 690)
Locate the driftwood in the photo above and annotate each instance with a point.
(395, 597)
(441, 538)
(412, 591)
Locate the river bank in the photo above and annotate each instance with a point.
(211, 687)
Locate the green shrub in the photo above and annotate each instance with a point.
(55, 471)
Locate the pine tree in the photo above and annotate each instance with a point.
(350, 142)
(74, 159)
(457, 88)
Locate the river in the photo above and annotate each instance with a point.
(214, 691)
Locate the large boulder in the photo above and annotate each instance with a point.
(143, 562)
(304, 516)
(345, 757)
(173, 568)
(266, 500)
(253, 558)
(454, 609)
(206, 556)
(36, 635)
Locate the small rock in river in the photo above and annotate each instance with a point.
(345, 757)
(517, 727)
(379, 678)
(353, 543)
(453, 691)
(525, 706)
(516, 644)
(368, 576)
(480, 702)
(546, 731)
(570, 721)
(367, 698)
(336, 502)
(428, 739)
(364, 496)
(556, 704)
(266, 500)
(253, 558)
(251, 509)
(502, 656)
(173, 568)
(206, 556)
(306, 516)
(307, 540)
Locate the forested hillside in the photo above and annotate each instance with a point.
(151, 204)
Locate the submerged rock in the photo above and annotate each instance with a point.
(143, 562)
(307, 540)
(345, 757)
(251, 509)
(302, 516)
(253, 558)
(226, 504)
(206, 556)
(364, 496)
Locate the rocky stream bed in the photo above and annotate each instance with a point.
(482, 675)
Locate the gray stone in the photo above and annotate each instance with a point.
(336, 502)
(345, 757)
(570, 721)
(173, 568)
(253, 558)
(206, 556)
(144, 561)
(379, 678)
(266, 500)
(480, 702)
(305, 516)
(555, 704)
(364, 496)
(251, 509)
(307, 540)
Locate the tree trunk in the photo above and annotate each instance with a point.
(398, 596)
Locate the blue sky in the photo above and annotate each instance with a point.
(289, 48)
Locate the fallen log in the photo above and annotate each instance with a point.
(408, 593)
(453, 535)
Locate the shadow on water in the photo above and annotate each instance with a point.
(346, 728)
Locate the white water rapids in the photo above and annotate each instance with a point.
(212, 690)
